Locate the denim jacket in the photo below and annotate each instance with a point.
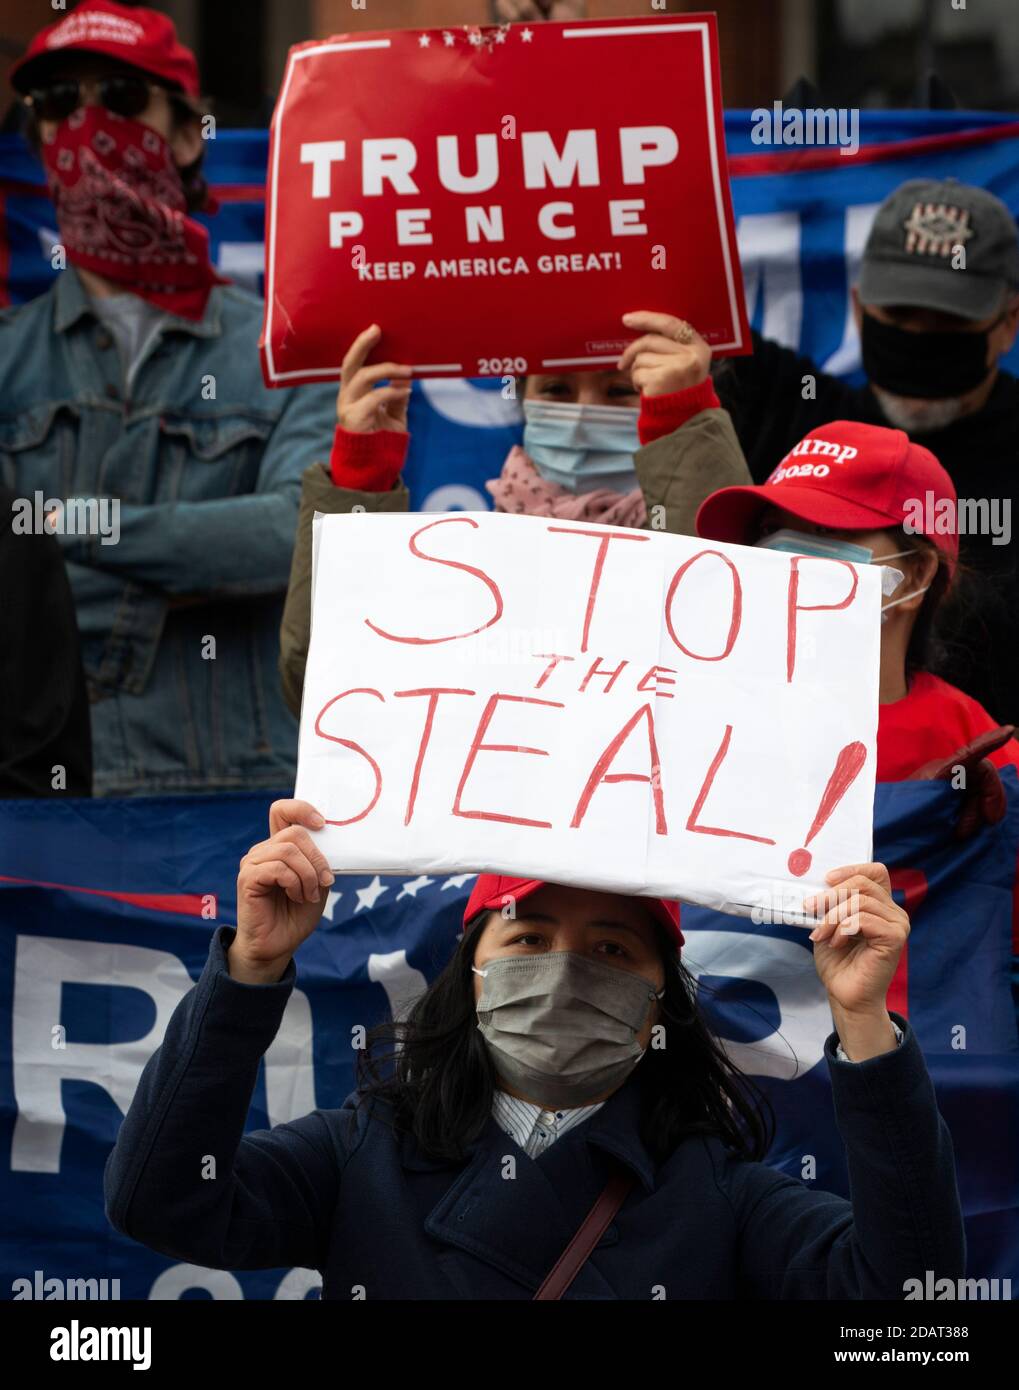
(180, 617)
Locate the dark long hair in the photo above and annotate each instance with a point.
(924, 652)
(434, 1069)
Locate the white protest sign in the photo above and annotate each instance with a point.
(592, 705)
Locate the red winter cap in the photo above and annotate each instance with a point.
(145, 39)
(491, 891)
(846, 476)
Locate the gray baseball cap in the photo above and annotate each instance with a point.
(910, 253)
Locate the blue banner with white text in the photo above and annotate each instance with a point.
(107, 908)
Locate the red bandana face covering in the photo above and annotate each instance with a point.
(121, 210)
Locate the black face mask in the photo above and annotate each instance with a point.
(930, 366)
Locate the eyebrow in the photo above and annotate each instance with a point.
(600, 922)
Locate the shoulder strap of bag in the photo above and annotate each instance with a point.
(589, 1233)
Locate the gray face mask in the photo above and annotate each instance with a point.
(562, 1029)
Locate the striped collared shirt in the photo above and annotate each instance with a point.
(534, 1128)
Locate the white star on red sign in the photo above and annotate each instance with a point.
(447, 38)
(475, 38)
(527, 35)
(424, 41)
(500, 36)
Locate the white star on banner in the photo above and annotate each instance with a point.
(527, 35)
(368, 897)
(475, 38)
(457, 881)
(411, 890)
(448, 39)
(331, 902)
(424, 41)
(500, 36)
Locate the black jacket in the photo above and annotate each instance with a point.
(342, 1192)
(44, 709)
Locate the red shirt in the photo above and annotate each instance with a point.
(932, 721)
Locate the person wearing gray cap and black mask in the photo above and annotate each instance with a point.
(937, 307)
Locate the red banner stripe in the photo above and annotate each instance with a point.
(187, 904)
(824, 157)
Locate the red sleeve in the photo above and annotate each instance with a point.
(660, 415)
(368, 462)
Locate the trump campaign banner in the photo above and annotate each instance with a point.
(98, 946)
(802, 216)
(517, 192)
(612, 708)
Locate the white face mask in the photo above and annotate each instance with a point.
(834, 548)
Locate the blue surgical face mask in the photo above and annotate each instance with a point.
(582, 447)
(832, 548)
(825, 547)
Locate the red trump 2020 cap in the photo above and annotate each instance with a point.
(144, 38)
(493, 892)
(847, 476)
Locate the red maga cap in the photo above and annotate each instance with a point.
(144, 38)
(492, 892)
(846, 476)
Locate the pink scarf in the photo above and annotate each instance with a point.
(520, 488)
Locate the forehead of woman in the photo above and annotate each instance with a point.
(580, 383)
(586, 907)
(881, 541)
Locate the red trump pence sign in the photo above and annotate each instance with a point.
(612, 708)
(496, 199)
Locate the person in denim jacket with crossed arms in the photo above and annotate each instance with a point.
(131, 393)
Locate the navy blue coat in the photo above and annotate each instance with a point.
(342, 1192)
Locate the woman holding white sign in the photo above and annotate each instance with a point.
(552, 1119)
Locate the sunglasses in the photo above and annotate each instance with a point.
(125, 94)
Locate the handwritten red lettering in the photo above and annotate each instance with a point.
(653, 675)
(705, 791)
(433, 694)
(355, 748)
(795, 607)
(553, 659)
(493, 588)
(477, 746)
(600, 773)
(737, 606)
(612, 675)
(599, 564)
